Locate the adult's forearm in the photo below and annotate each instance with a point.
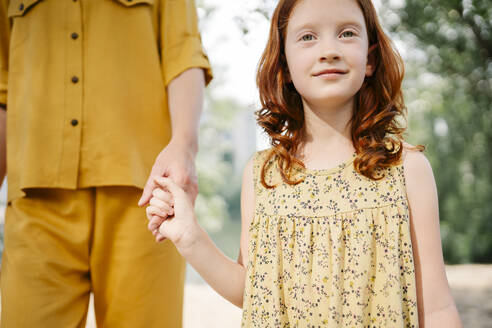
(224, 275)
(447, 317)
(185, 94)
(3, 144)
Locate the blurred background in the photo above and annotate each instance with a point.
(447, 48)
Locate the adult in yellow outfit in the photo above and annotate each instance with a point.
(95, 95)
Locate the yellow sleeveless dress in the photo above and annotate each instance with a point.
(332, 251)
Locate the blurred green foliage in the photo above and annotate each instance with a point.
(449, 96)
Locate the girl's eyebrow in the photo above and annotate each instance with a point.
(305, 26)
(352, 23)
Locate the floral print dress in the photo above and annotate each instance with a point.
(332, 251)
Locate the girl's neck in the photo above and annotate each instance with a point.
(328, 129)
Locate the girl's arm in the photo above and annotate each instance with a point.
(224, 275)
(436, 306)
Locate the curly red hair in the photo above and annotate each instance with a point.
(376, 134)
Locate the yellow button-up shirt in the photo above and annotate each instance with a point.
(84, 82)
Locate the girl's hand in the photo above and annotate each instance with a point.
(160, 208)
(182, 227)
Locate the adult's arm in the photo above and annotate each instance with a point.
(186, 71)
(177, 159)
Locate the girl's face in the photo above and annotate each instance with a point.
(326, 47)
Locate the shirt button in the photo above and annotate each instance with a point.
(75, 36)
(74, 122)
(21, 6)
(75, 79)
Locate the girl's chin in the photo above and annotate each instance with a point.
(335, 100)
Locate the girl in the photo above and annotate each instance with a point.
(340, 222)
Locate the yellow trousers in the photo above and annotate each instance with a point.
(62, 244)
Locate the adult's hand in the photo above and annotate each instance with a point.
(176, 161)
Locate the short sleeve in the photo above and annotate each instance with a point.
(181, 45)
(4, 48)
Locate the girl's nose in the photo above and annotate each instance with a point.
(330, 53)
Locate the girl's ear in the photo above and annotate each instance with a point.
(371, 60)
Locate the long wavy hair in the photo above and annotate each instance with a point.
(376, 133)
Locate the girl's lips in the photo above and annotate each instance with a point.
(330, 75)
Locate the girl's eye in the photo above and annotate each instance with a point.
(347, 34)
(307, 37)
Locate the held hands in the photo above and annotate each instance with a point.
(176, 161)
(167, 200)
(161, 206)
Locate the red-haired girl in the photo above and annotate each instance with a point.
(340, 223)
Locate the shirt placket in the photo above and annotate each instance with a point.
(74, 82)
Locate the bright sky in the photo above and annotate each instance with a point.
(233, 55)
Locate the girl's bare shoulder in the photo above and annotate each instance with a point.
(412, 156)
(417, 168)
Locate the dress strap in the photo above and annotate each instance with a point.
(259, 159)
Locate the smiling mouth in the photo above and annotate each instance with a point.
(330, 72)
